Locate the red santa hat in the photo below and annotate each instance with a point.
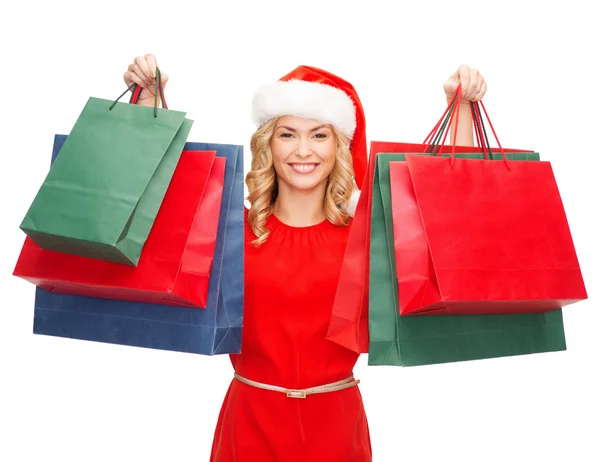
(317, 94)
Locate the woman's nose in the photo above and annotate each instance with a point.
(304, 149)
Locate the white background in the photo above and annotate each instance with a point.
(66, 400)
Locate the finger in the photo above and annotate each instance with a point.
(133, 77)
(479, 96)
(469, 91)
(477, 88)
(472, 82)
(135, 69)
(475, 81)
(140, 62)
(127, 78)
(465, 78)
(164, 78)
(152, 64)
(138, 71)
(450, 87)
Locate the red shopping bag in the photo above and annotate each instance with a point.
(497, 237)
(175, 264)
(349, 323)
(481, 237)
(416, 279)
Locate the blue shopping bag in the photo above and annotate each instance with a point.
(214, 330)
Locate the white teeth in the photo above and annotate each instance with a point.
(303, 168)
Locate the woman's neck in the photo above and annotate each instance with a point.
(299, 208)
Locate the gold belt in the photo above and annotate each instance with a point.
(336, 386)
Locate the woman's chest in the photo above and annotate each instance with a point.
(289, 291)
(292, 271)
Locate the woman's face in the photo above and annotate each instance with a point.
(304, 152)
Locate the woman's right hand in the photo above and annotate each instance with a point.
(143, 72)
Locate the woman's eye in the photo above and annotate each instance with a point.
(285, 135)
(321, 135)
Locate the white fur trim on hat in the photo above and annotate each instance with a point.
(310, 100)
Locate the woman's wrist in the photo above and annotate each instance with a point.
(463, 102)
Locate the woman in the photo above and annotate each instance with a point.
(307, 154)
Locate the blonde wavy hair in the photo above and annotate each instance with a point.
(263, 187)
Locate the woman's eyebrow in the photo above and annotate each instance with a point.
(312, 130)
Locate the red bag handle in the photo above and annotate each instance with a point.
(478, 128)
(135, 95)
(432, 133)
(475, 109)
(442, 126)
(493, 131)
(481, 135)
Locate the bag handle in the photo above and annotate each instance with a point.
(435, 133)
(436, 142)
(479, 122)
(137, 90)
(135, 94)
(443, 126)
(480, 103)
(480, 128)
(445, 123)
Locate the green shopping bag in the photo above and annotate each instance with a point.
(104, 190)
(418, 340)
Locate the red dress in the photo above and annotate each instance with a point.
(290, 284)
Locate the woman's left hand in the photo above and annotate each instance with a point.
(473, 84)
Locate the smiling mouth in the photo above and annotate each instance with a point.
(303, 168)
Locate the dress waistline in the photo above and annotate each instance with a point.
(290, 393)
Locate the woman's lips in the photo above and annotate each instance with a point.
(303, 168)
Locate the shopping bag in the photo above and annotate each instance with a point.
(489, 237)
(214, 330)
(101, 196)
(349, 323)
(174, 268)
(418, 340)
